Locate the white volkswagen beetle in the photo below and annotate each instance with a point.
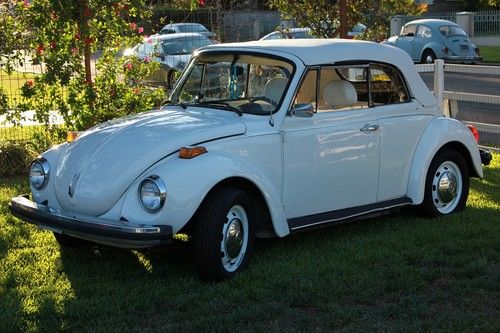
(260, 139)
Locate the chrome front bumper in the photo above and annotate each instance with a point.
(108, 232)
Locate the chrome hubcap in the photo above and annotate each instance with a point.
(234, 238)
(429, 59)
(446, 187)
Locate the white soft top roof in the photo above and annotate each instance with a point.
(331, 51)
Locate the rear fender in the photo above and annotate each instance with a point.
(438, 134)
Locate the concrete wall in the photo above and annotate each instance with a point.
(241, 25)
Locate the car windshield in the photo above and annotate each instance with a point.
(450, 30)
(184, 45)
(242, 83)
(192, 28)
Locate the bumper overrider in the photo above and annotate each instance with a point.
(486, 156)
(115, 233)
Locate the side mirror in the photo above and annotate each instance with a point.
(303, 110)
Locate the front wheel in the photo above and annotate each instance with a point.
(224, 234)
(428, 57)
(447, 184)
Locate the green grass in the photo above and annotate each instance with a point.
(12, 85)
(490, 53)
(398, 273)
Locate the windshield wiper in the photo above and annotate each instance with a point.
(220, 104)
(169, 102)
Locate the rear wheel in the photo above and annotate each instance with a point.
(224, 234)
(428, 57)
(447, 184)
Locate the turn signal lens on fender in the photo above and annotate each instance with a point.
(475, 132)
(191, 152)
(71, 136)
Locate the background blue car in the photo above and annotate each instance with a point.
(429, 39)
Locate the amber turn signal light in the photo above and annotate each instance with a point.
(475, 132)
(71, 136)
(191, 152)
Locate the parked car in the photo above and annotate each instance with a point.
(172, 51)
(174, 28)
(429, 39)
(292, 33)
(300, 33)
(282, 137)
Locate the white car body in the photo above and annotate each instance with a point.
(307, 171)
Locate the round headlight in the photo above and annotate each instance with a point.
(39, 173)
(152, 193)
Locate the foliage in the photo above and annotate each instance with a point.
(63, 35)
(4, 101)
(323, 16)
(474, 5)
(14, 159)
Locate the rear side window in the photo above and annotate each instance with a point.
(333, 88)
(424, 32)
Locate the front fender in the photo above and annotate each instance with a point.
(438, 133)
(189, 181)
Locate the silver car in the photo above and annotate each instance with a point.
(172, 51)
(429, 39)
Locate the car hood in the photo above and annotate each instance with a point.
(98, 167)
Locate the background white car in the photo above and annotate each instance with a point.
(260, 139)
(172, 51)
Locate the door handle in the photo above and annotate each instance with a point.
(369, 127)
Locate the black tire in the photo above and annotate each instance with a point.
(442, 166)
(428, 54)
(69, 241)
(213, 234)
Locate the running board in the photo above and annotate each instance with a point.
(346, 215)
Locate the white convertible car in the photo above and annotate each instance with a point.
(259, 139)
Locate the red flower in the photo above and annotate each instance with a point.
(146, 59)
(87, 12)
(201, 3)
(74, 50)
(30, 83)
(26, 3)
(133, 26)
(88, 40)
(53, 44)
(140, 30)
(129, 66)
(77, 36)
(40, 48)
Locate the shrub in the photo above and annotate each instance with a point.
(14, 159)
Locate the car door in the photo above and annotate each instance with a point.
(406, 38)
(401, 122)
(331, 156)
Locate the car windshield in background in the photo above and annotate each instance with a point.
(184, 45)
(242, 83)
(450, 30)
(192, 28)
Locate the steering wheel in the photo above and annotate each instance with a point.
(263, 98)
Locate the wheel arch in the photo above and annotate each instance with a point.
(264, 226)
(441, 134)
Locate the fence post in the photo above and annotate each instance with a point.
(439, 82)
(466, 21)
(396, 25)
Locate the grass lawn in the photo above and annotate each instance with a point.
(490, 53)
(12, 84)
(398, 273)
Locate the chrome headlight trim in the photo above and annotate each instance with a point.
(161, 193)
(44, 170)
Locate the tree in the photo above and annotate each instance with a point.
(324, 16)
(62, 36)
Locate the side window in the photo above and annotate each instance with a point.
(424, 32)
(307, 91)
(408, 30)
(342, 88)
(387, 86)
